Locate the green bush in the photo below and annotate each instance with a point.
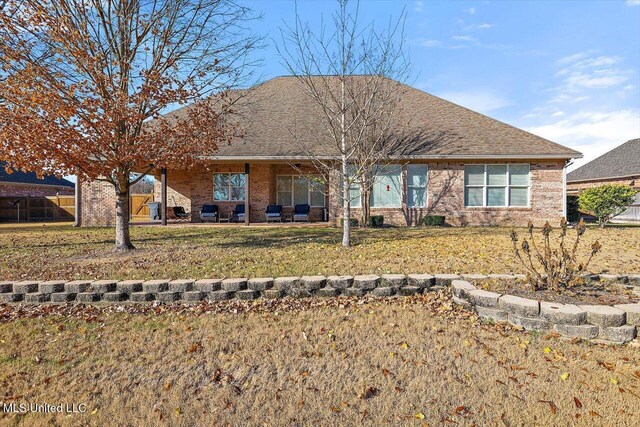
(376, 221)
(573, 211)
(353, 222)
(606, 201)
(433, 220)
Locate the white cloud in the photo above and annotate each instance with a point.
(583, 72)
(418, 6)
(464, 38)
(475, 27)
(430, 43)
(633, 2)
(592, 132)
(470, 11)
(572, 58)
(479, 100)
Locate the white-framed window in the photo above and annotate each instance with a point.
(497, 185)
(417, 185)
(295, 190)
(387, 187)
(228, 187)
(354, 189)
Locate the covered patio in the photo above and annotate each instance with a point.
(248, 187)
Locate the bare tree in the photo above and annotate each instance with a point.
(80, 80)
(353, 74)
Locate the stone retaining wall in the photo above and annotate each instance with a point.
(614, 324)
(87, 291)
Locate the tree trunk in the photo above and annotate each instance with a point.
(123, 239)
(346, 207)
(365, 204)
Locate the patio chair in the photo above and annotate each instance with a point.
(274, 213)
(301, 212)
(181, 214)
(209, 213)
(238, 214)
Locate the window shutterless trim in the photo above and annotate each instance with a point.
(426, 185)
(230, 187)
(507, 186)
(293, 178)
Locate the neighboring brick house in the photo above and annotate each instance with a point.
(471, 168)
(37, 198)
(23, 184)
(618, 166)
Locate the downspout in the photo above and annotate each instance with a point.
(77, 219)
(564, 187)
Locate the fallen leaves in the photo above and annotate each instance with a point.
(552, 406)
(370, 392)
(577, 402)
(195, 347)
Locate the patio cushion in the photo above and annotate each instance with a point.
(302, 209)
(209, 209)
(274, 209)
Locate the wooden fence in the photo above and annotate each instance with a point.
(50, 208)
(60, 208)
(138, 206)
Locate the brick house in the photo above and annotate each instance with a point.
(618, 166)
(36, 198)
(455, 162)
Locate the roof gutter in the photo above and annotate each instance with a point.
(27, 184)
(603, 178)
(416, 157)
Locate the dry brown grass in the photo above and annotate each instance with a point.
(314, 366)
(55, 252)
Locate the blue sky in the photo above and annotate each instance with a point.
(565, 70)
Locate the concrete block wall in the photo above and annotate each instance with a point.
(611, 324)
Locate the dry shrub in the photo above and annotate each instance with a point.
(556, 268)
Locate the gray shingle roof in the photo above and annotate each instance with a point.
(19, 177)
(280, 120)
(622, 161)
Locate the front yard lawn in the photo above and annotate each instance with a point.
(64, 252)
(408, 361)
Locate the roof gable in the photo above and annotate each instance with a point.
(622, 161)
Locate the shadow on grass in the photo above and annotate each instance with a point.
(241, 237)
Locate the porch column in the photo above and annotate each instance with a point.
(163, 195)
(246, 194)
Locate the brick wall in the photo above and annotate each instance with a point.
(193, 188)
(446, 197)
(17, 190)
(577, 187)
(97, 204)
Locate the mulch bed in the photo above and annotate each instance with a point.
(598, 294)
